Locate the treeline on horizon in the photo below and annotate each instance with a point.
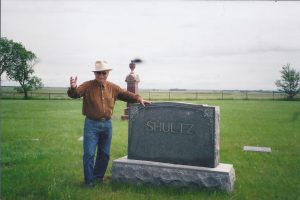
(55, 89)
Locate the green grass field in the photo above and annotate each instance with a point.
(41, 157)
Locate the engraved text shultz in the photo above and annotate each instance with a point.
(169, 127)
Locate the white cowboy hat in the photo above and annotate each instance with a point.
(101, 65)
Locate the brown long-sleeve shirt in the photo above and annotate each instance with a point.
(99, 100)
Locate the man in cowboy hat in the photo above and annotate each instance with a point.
(99, 96)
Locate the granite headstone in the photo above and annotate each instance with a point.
(174, 144)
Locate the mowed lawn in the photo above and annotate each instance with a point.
(41, 156)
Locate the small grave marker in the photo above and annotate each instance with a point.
(258, 149)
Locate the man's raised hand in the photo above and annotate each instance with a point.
(73, 82)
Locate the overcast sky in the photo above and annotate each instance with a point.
(184, 44)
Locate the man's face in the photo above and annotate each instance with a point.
(101, 76)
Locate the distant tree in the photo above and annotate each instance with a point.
(19, 66)
(289, 82)
(8, 55)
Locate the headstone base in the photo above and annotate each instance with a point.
(124, 117)
(140, 172)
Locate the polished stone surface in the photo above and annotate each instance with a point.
(177, 133)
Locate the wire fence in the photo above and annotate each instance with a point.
(166, 95)
(217, 95)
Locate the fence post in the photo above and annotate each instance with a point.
(196, 95)
(149, 95)
(222, 95)
(273, 95)
(49, 95)
(169, 95)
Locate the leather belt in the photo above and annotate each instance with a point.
(99, 119)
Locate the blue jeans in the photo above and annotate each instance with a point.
(97, 135)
